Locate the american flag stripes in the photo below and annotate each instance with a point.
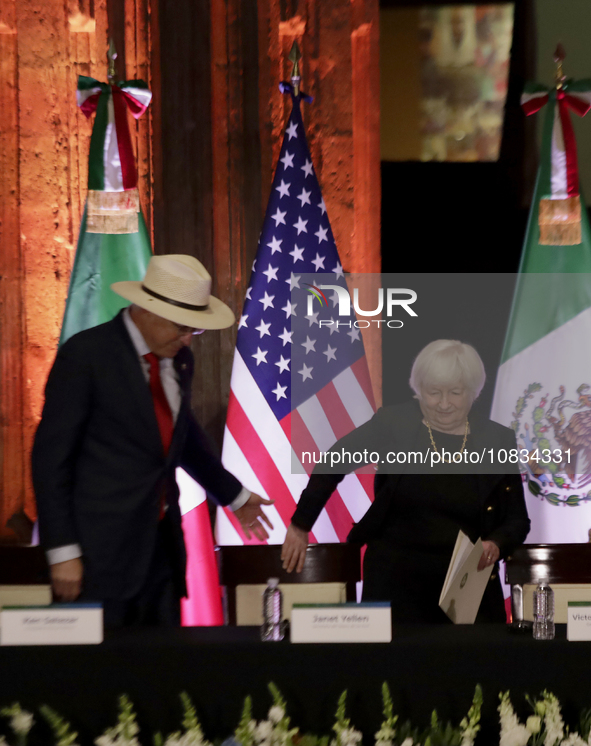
(292, 378)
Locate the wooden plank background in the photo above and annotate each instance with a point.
(206, 150)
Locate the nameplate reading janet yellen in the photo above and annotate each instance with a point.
(364, 622)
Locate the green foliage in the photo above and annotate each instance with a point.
(342, 721)
(310, 740)
(533, 487)
(389, 718)
(585, 724)
(190, 720)
(388, 730)
(281, 724)
(61, 729)
(445, 734)
(277, 696)
(127, 718)
(244, 732)
(21, 722)
(127, 728)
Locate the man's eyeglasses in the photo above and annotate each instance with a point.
(183, 330)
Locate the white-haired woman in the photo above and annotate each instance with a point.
(411, 528)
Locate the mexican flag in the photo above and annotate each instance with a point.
(101, 259)
(113, 244)
(543, 388)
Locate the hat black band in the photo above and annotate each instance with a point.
(178, 303)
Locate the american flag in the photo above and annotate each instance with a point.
(290, 374)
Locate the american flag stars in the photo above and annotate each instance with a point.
(295, 242)
(283, 189)
(301, 225)
(287, 160)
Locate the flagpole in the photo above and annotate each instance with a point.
(295, 56)
(111, 57)
(559, 55)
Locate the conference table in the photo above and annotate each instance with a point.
(425, 667)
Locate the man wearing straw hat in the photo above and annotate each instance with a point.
(116, 422)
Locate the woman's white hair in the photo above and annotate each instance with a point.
(448, 362)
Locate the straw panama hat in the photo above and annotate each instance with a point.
(176, 287)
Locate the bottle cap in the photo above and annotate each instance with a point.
(273, 582)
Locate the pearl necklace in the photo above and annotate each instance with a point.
(433, 442)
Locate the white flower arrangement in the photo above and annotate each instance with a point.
(192, 734)
(346, 735)
(274, 731)
(387, 733)
(544, 728)
(438, 734)
(126, 730)
(470, 725)
(21, 721)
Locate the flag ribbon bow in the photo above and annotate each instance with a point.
(111, 163)
(559, 139)
(286, 87)
(559, 213)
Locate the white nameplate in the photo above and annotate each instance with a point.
(59, 624)
(578, 622)
(364, 622)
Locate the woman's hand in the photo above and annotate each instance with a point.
(490, 555)
(293, 552)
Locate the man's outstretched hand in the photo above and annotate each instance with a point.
(251, 517)
(66, 579)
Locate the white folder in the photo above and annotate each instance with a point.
(464, 586)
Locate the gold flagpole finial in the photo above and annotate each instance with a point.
(295, 56)
(559, 55)
(111, 56)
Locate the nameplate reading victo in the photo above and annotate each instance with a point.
(578, 622)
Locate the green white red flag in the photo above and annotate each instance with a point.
(113, 244)
(543, 388)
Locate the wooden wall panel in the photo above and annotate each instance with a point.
(340, 69)
(236, 177)
(12, 456)
(44, 139)
(339, 44)
(46, 233)
(138, 44)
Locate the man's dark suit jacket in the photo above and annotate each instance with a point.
(98, 462)
(504, 518)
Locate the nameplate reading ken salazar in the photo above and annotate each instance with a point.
(364, 622)
(58, 624)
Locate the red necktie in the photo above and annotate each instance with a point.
(161, 405)
(163, 415)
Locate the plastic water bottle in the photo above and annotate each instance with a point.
(272, 628)
(543, 612)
